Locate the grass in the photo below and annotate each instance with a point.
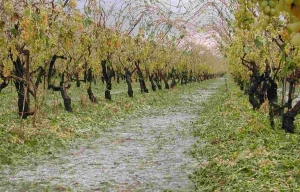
(241, 151)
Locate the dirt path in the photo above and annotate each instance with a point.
(138, 154)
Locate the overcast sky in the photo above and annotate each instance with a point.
(176, 6)
(182, 9)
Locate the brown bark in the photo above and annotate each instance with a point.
(289, 118)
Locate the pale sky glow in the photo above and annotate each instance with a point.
(196, 19)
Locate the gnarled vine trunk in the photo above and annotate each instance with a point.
(289, 118)
(290, 95)
(89, 90)
(66, 98)
(165, 79)
(256, 96)
(274, 108)
(77, 80)
(151, 79)
(64, 94)
(157, 81)
(173, 75)
(174, 82)
(107, 75)
(141, 79)
(22, 87)
(128, 81)
(184, 78)
(62, 88)
(118, 77)
(39, 77)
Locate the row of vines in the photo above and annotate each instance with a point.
(261, 44)
(45, 45)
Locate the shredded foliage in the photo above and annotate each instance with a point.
(56, 129)
(241, 151)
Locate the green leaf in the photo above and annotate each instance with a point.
(283, 58)
(36, 17)
(41, 36)
(27, 12)
(291, 63)
(258, 42)
(246, 50)
(289, 66)
(14, 31)
(86, 22)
